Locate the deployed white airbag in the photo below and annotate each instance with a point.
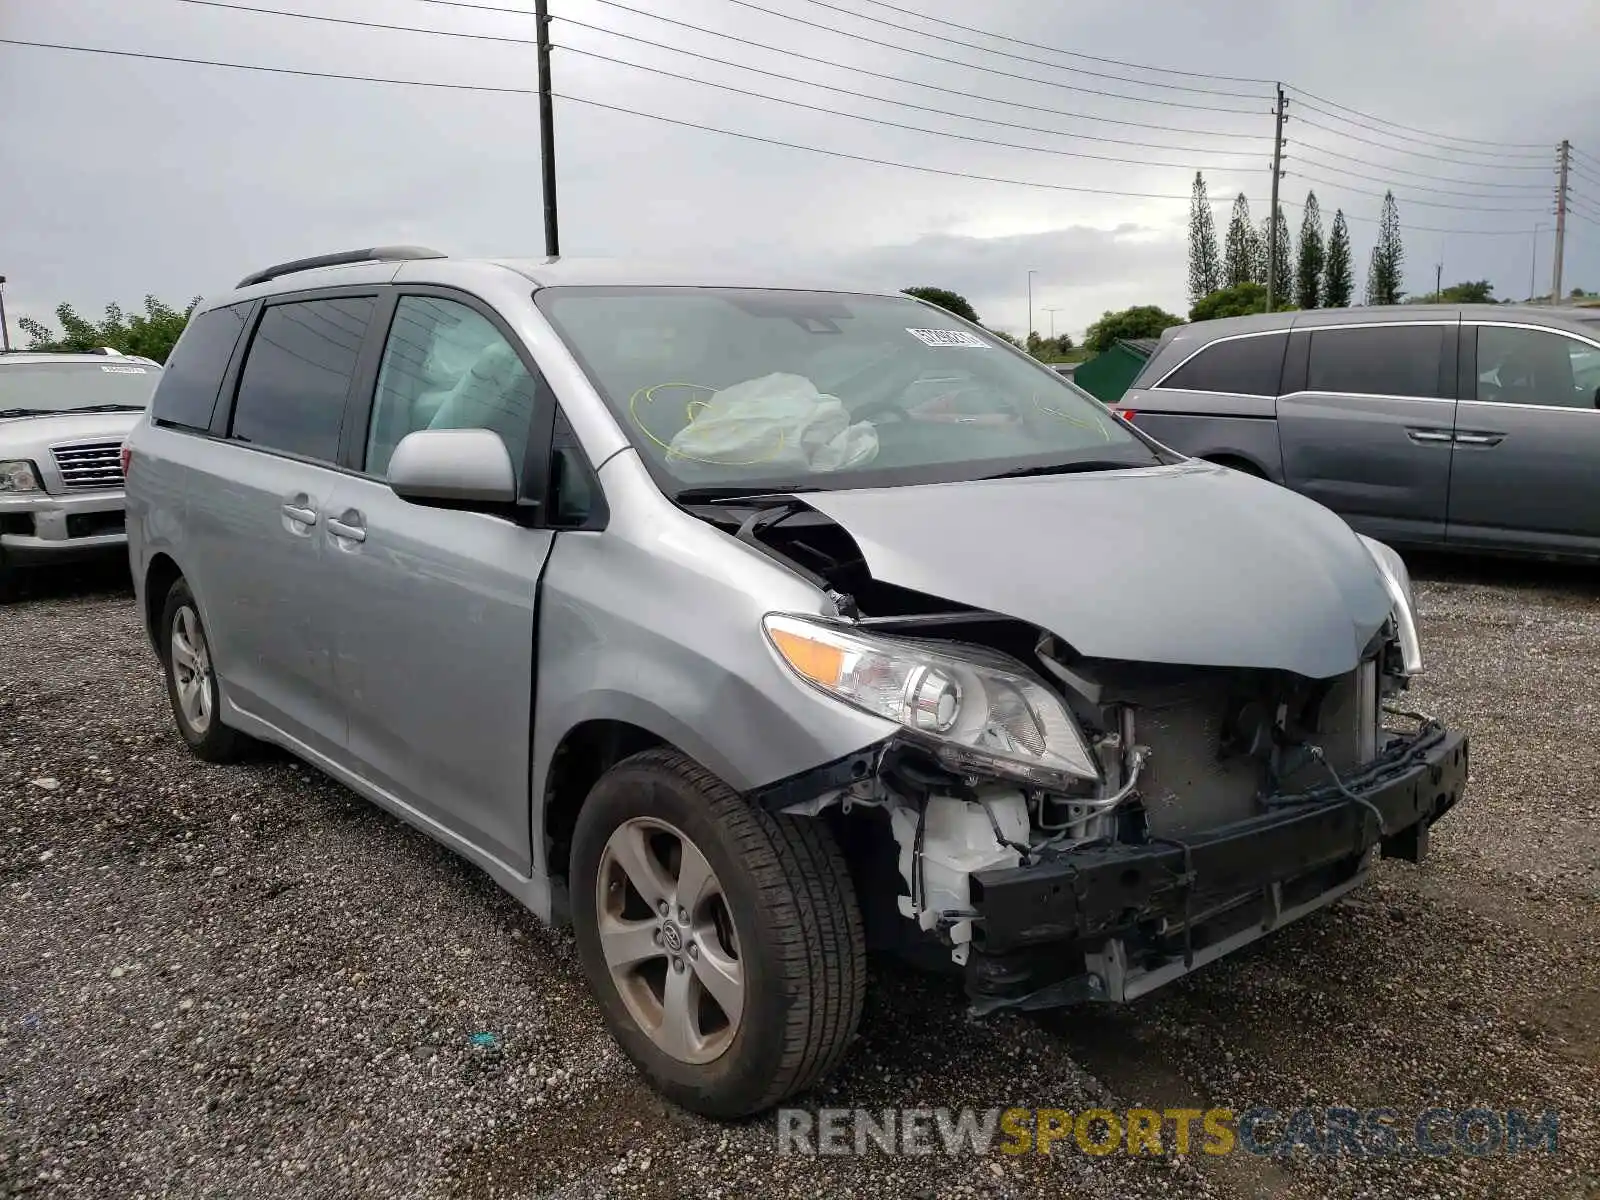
(777, 419)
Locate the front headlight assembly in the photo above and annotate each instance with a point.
(977, 711)
(1397, 580)
(18, 475)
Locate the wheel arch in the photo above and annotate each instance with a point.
(159, 575)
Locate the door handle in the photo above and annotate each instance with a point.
(1480, 439)
(350, 533)
(296, 512)
(1429, 435)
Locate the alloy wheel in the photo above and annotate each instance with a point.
(191, 669)
(668, 939)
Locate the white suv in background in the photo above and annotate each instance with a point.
(62, 421)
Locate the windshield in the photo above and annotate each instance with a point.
(775, 390)
(53, 387)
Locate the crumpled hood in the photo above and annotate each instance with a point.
(1191, 564)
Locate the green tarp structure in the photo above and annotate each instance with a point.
(1110, 373)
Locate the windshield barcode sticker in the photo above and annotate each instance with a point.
(948, 337)
(122, 370)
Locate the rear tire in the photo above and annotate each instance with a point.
(191, 680)
(769, 924)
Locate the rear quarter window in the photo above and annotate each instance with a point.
(187, 394)
(1247, 366)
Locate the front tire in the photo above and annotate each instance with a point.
(723, 943)
(192, 681)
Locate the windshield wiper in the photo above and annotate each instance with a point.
(107, 408)
(1072, 468)
(776, 493)
(26, 412)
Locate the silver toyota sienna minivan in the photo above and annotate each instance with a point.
(748, 627)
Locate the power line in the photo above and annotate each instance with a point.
(1410, 228)
(939, 37)
(1367, 162)
(1441, 137)
(208, 62)
(1069, 53)
(933, 87)
(225, 4)
(1355, 137)
(970, 66)
(882, 162)
(1493, 157)
(1420, 187)
(278, 12)
(1582, 171)
(1414, 200)
(987, 178)
(834, 112)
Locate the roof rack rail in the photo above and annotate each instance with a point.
(370, 254)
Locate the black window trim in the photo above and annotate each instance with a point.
(535, 470)
(222, 420)
(1284, 332)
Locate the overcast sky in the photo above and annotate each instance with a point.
(124, 176)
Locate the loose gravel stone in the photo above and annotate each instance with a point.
(245, 981)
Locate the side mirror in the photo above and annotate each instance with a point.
(453, 468)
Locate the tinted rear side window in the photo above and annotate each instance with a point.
(1247, 366)
(1383, 360)
(297, 374)
(187, 394)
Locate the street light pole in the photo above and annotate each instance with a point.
(5, 330)
(1053, 312)
(1031, 274)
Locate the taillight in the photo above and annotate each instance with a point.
(1127, 414)
(127, 458)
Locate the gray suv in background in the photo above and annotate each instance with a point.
(1473, 427)
(745, 626)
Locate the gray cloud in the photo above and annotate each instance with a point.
(125, 177)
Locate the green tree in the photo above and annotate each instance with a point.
(1385, 267)
(1478, 291)
(1237, 301)
(1006, 337)
(945, 299)
(151, 333)
(1205, 271)
(1285, 263)
(1049, 349)
(1338, 278)
(1239, 252)
(1312, 256)
(1141, 321)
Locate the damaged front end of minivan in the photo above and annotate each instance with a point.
(1067, 824)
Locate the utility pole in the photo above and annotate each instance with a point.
(1563, 155)
(547, 131)
(1533, 263)
(1031, 274)
(1272, 216)
(5, 330)
(1438, 282)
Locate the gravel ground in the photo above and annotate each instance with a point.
(244, 981)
